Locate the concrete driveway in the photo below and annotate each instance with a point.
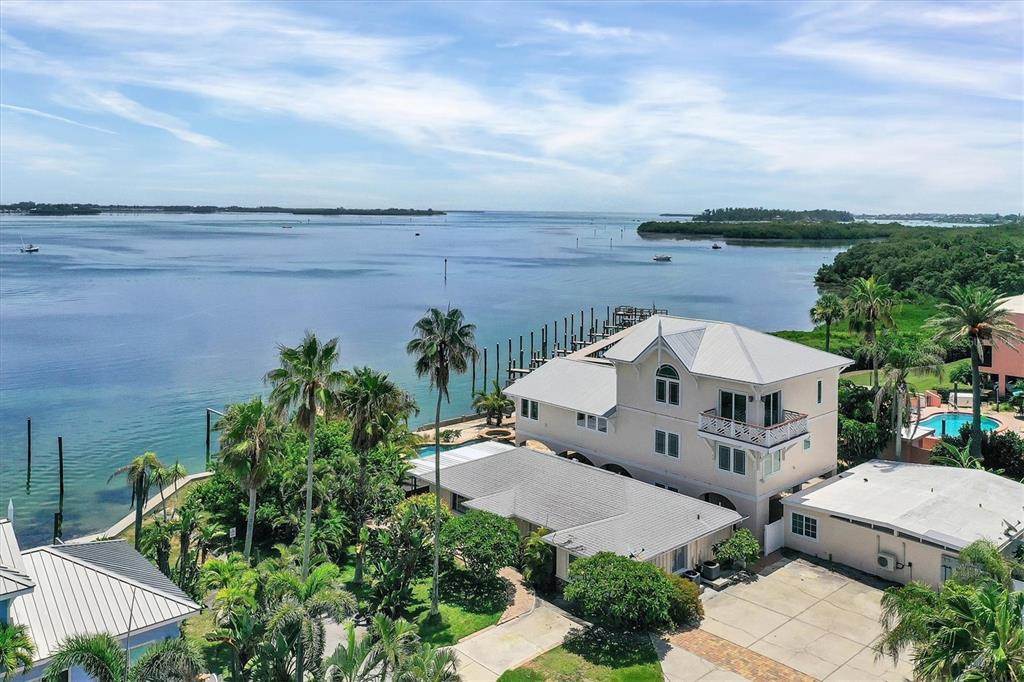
(813, 620)
(485, 656)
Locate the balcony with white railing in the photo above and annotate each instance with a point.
(792, 427)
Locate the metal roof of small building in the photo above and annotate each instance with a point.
(423, 467)
(102, 587)
(947, 505)
(723, 350)
(588, 509)
(583, 385)
(13, 579)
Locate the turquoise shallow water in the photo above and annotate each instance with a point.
(124, 328)
(951, 422)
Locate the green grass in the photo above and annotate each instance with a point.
(218, 656)
(464, 608)
(910, 319)
(561, 664)
(919, 380)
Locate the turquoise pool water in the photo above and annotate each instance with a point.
(954, 421)
(428, 450)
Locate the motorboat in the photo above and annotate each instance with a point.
(662, 258)
(716, 246)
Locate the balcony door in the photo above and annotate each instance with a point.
(773, 408)
(732, 406)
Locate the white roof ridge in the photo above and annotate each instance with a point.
(746, 353)
(55, 551)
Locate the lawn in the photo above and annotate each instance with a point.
(918, 380)
(218, 656)
(909, 318)
(594, 659)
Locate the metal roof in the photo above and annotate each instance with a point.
(1014, 304)
(947, 505)
(423, 467)
(13, 579)
(589, 509)
(89, 593)
(583, 385)
(723, 350)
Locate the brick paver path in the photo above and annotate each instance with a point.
(735, 658)
(524, 600)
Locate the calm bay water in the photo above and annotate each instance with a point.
(124, 328)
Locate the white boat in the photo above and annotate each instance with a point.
(661, 258)
(29, 248)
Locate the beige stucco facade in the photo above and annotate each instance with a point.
(630, 438)
(858, 546)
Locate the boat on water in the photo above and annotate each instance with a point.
(716, 245)
(661, 258)
(286, 227)
(29, 248)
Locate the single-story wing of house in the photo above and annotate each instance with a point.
(904, 521)
(59, 591)
(587, 509)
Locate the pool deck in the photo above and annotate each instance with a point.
(471, 429)
(1008, 421)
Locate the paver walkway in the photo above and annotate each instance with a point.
(524, 599)
(734, 658)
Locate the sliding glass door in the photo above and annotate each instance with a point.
(732, 406)
(773, 408)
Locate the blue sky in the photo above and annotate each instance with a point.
(867, 106)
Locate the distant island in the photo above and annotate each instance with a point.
(964, 218)
(813, 231)
(750, 215)
(32, 208)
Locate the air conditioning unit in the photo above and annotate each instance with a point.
(886, 561)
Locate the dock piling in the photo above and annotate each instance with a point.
(29, 443)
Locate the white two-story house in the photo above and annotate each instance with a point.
(708, 409)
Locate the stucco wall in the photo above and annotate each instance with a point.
(857, 547)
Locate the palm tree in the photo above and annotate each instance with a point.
(948, 455)
(352, 661)
(17, 651)
(374, 406)
(444, 344)
(156, 544)
(249, 440)
(827, 310)
(393, 642)
(173, 473)
(870, 305)
(300, 605)
(900, 359)
(976, 314)
(492, 404)
(306, 382)
(140, 474)
(429, 664)
(104, 659)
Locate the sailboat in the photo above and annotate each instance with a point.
(28, 248)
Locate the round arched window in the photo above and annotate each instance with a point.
(666, 385)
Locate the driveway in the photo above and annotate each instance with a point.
(485, 656)
(809, 619)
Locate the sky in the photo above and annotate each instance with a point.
(862, 106)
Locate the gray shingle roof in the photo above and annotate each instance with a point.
(589, 509)
(724, 350)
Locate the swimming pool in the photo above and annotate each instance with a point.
(428, 450)
(953, 421)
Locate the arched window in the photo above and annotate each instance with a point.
(666, 385)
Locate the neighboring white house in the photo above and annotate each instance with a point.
(81, 589)
(904, 521)
(709, 409)
(588, 510)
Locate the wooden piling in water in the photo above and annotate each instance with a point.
(520, 351)
(497, 363)
(29, 443)
(484, 386)
(473, 384)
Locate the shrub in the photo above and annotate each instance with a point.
(485, 541)
(961, 374)
(741, 548)
(999, 450)
(449, 435)
(858, 441)
(684, 604)
(539, 561)
(618, 592)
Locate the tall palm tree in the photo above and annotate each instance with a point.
(444, 344)
(17, 651)
(156, 544)
(393, 642)
(976, 314)
(300, 605)
(306, 382)
(250, 439)
(140, 474)
(827, 310)
(900, 359)
(352, 660)
(374, 406)
(104, 659)
(172, 473)
(870, 304)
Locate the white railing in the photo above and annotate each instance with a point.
(794, 426)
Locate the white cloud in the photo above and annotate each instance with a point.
(53, 117)
(117, 104)
(587, 29)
